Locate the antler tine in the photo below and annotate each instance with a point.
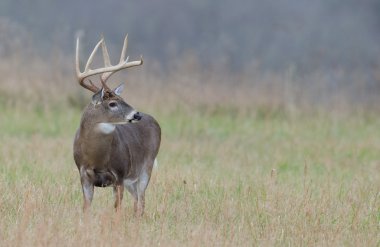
(82, 76)
(124, 50)
(106, 56)
(89, 61)
(77, 69)
(107, 63)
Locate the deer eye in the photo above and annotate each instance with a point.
(112, 104)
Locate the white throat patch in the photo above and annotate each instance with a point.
(105, 128)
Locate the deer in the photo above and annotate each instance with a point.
(115, 145)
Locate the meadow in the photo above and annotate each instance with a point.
(237, 167)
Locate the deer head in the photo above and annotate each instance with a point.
(107, 107)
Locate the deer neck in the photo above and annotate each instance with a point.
(97, 130)
(96, 141)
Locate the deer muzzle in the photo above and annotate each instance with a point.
(137, 116)
(134, 116)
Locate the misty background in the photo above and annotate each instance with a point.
(315, 50)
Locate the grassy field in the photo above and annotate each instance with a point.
(224, 179)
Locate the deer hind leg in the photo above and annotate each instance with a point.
(142, 184)
(138, 198)
(118, 192)
(131, 187)
(137, 189)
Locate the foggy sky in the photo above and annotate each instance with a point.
(272, 34)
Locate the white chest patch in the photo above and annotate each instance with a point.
(105, 128)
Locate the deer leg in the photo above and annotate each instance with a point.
(88, 193)
(140, 205)
(87, 188)
(141, 187)
(118, 192)
(132, 189)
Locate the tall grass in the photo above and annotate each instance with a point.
(222, 180)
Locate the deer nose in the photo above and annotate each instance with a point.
(137, 116)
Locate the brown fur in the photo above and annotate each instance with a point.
(124, 157)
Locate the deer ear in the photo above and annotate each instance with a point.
(119, 89)
(97, 98)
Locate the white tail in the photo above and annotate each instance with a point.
(155, 164)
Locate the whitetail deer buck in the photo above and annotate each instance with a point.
(115, 145)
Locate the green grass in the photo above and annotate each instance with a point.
(224, 179)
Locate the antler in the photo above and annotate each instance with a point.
(108, 69)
